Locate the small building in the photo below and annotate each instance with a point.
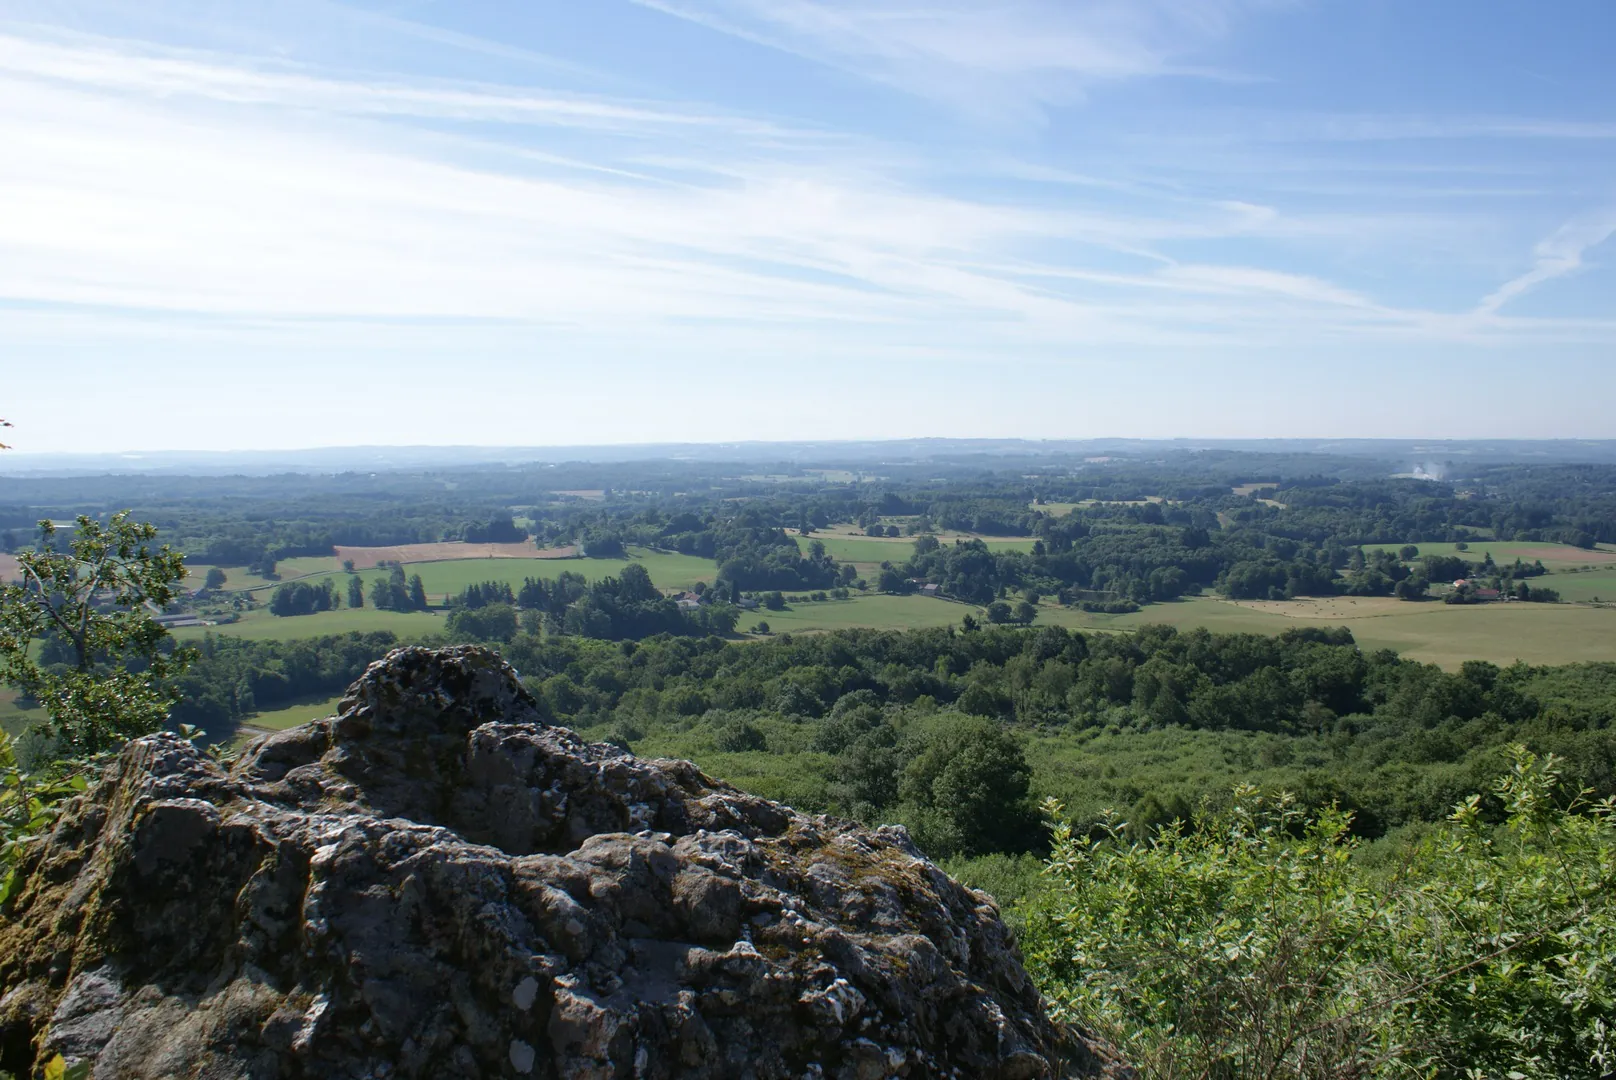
(746, 603)
(931, 590)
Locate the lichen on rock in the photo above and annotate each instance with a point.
(436, 883)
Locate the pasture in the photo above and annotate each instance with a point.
(262, 626)
(878, 612)
(13, 719)
(1430, 631)
(237, 579)
(293, 715)
(1554, 556)
(1582, 586)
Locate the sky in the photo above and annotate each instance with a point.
(547, 222)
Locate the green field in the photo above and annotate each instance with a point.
(1436, 633)
(260, 625)
(304, 565)
(293, 715)
(12, 719)
(1554, 556)
(1582, 587)
(236, 578)
(878, 611)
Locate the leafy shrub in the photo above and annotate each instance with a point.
(1254, 944)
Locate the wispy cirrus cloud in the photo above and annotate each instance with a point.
(152, 72)
(993, 58)
(231, 189)
(1557, 255)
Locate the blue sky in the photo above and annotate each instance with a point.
(228, 226)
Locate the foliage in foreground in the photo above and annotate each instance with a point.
(78, 633)
(1255, 945)
(78, 636)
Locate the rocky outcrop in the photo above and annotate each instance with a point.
(435, 883)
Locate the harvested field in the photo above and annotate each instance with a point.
(366, 557)
(9, 570)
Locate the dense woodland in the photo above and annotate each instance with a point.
(869, 723)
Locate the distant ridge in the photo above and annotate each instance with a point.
(344, 459)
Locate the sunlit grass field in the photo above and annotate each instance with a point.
(1431, 631)
(1554, 556)
(1582, 587)
(877, 611)
(293, 715)
(260, 625)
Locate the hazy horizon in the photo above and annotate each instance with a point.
(637, 221)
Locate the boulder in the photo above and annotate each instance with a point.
(436, 883)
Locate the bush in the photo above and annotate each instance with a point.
(1255, 944)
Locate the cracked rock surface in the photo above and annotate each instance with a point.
(435, 883)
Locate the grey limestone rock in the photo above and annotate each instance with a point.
(435, 883)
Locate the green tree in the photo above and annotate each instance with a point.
(967, 790)
(215, 579)
(417, 598)
(356, 592)
(92, 605)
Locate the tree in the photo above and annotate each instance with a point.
(761, 628)
(356, 592)
(1413, 587)
(1408, 552)
(417, 593)
(492, 622)
(390, 593)
(968, 786)
(215, 579)
(999, 612)
(92, 606)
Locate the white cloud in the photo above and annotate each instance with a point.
(206, 187)
(985, 57)
(1557, 255)
(169, 73)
